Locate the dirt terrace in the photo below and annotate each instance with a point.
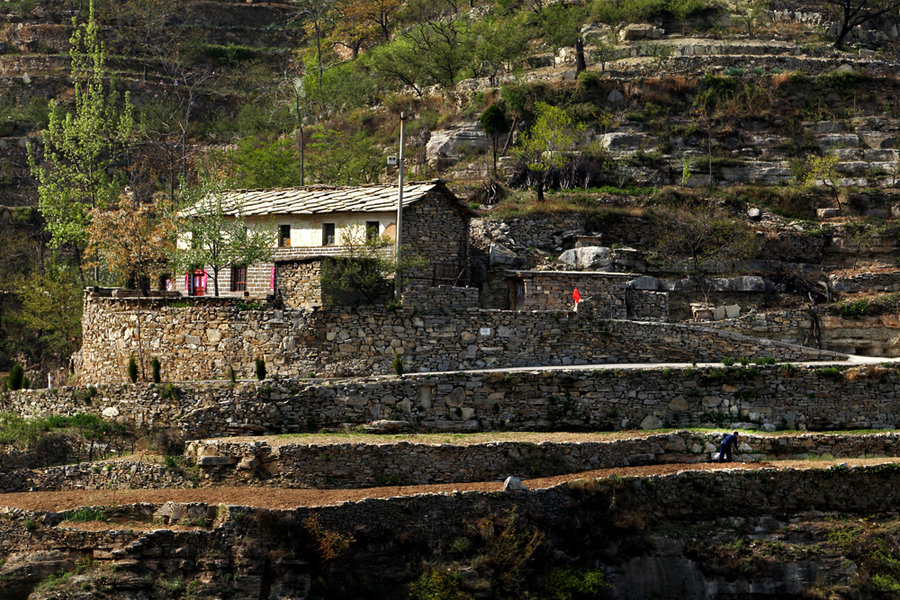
(285, 499)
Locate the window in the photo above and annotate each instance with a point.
(238, 278)
(284, 236)
(328, 234)
(373, 229)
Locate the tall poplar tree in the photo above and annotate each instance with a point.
(84, 148)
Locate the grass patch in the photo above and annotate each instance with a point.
(85, 514)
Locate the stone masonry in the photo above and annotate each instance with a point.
(201, 338)
(783, 396)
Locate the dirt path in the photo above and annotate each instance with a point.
(282, 498)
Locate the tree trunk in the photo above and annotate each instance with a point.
(494, 148)
(540, 187)
(580, 64)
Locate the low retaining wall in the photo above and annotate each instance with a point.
(353, 465)
(116, 475)
(367, 464)
(201, 338)
(589, 400)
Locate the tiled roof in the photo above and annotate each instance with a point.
(316, 199)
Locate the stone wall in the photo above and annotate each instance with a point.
(436, 228)
(867, 335)
(244, 552)
(610, 293)
(441, 298)
(353, 463)
(358, 464)
(197, 339)
(790, 326)
(579, 400)
(114, 475)
(298, 282)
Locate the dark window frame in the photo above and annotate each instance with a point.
(329, 237)
(284, 236)
(238, 278)
(373, 231)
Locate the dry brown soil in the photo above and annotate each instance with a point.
(283, 498)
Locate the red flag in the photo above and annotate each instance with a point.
(576, 296)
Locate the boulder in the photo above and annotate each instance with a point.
(645, 282)
(651, 422)
(450, 144)
(586, 257)
(615, 97)
(387, 426)
(624, 141)
(640, 31)
(514, 484)
(501, 255)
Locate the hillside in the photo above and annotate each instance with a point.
(718, 179)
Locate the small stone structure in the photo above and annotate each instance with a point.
(614, 295)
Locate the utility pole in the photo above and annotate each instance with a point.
(397, 276)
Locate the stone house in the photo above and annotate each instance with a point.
(316, 222)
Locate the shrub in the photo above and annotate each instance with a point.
(170, 392)
(232, 376)
(260, 368)
(132, 369)
(398, 364)
(727, 361)
(16, 377)
(855, 309)
(154, 366)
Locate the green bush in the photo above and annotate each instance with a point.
(232, 376)
(16, 377)
(154, 366)
(132, 369)
(260, 368)
(398, 364)
(229, 53)
(855, 309)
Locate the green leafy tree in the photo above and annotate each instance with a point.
(498, 45)
(263, 163)
(361, 274)
(397, 63)
(83, 149)
(50, 312)
(443, 48)
(338, 159)
(822, 172)
(547, 144)
(212, 233)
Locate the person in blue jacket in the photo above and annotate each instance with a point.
(729, 443)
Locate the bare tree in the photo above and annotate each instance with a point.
(850, 14)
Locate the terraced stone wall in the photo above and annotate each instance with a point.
(608, 399)
(201, 338)
(244, 552)
(363, 462)
(355, 464)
